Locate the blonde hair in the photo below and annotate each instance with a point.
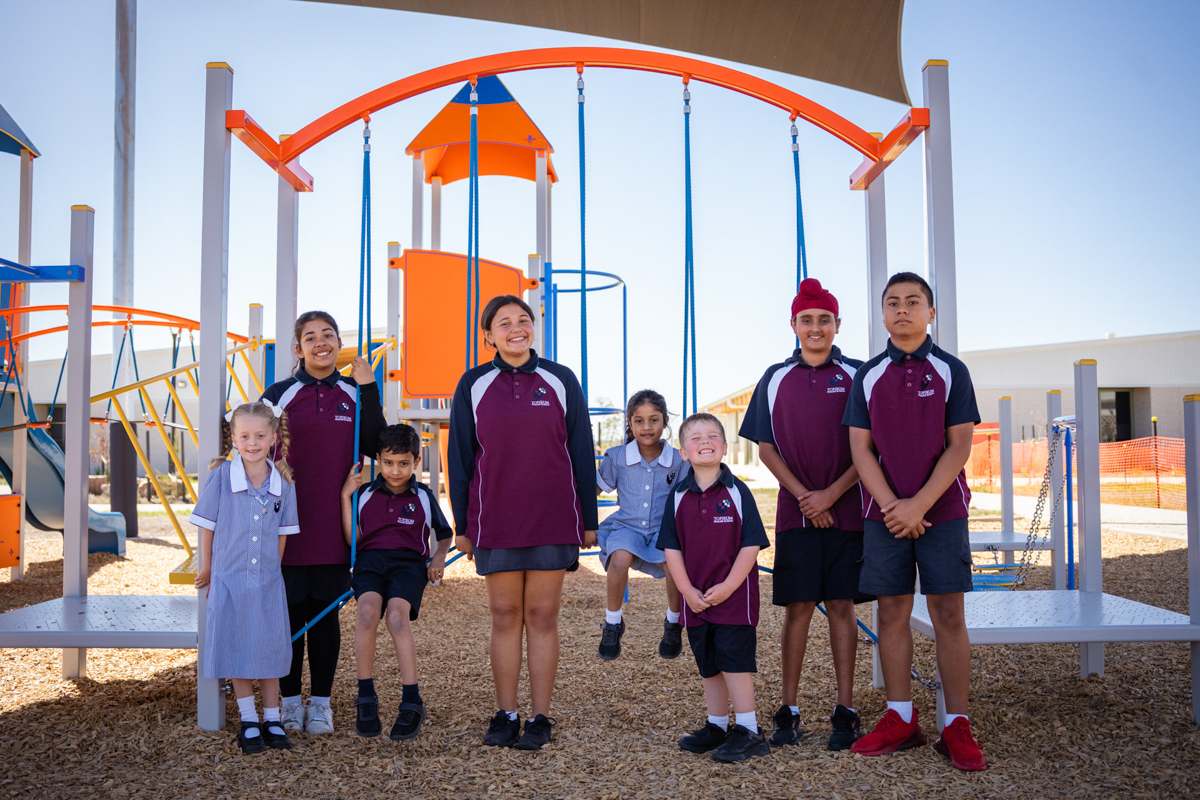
(278, 427)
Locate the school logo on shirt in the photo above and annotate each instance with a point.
(835, 384)
(345, 408)
(724, 505)
(539, 394)
(403, 521)
(278, 505)
(926, 392)
(410, 508)
(670, 478)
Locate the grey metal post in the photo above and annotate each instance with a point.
(255, 331)
(435, 213)
(939, 205)
(214, 319)
(77, 433)
(876, 664)
(418, 201)
(391, 396)
(287, 249)
(20, 437)
(877, 268)
(1006, 472)
(1087, 456)
(1056, 524)
(534, 269)
(1191, 457)
(542, 241)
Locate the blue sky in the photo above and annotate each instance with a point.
(1070, 122)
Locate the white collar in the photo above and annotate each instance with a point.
(238, 482)
(634, 456)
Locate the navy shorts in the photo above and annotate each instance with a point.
(723, 648)
(813, 565)
(942, 553)
(391, 573)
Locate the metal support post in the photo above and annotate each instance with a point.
(214, 319)
(537, 302)
(876, 664)
(418, 201)
(76, 425)
(287, 250)
(1058, 557)
(1191, 456)
(1006, 472)
(1087, 449)
(435, 460)
(877, 265)
(939, 205)
(19, 296)
(391, 393)
(435, 213)
(257, 354)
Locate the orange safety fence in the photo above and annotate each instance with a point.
(1145, 472)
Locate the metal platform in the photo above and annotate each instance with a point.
(140, 621)
(1006, 541)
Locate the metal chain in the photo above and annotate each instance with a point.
(1035, 523)
(928, 683)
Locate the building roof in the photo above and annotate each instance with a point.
(850, 43)
(12, 138)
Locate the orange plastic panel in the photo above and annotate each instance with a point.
(435, 317)
(10, 530)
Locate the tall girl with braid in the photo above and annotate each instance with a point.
(320, 404)
(246, 512)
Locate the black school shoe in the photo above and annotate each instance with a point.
(610, 640)
(672, 641)
(704, 740)
(787, 728)
(846, 729)
(502, 732)
(276, 741)
(251, 744)
(741, 744)
(367, 721)
(537, 733)
(408, 722)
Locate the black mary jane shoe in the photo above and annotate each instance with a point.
(251, 744)
(276, 741)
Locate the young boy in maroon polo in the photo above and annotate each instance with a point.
(795, 415)
(395, 516)
(911, 416)
(711, 534)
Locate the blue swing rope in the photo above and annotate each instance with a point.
(801, 249)
(472, 352)
(689, 267)
(583, 320)
(117, 369)
(57, 386)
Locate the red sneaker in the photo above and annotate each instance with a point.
(891, 734)
(957, 744)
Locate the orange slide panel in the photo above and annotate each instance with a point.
(435, 316)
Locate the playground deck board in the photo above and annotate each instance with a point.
(1006, 541)
(148, 621)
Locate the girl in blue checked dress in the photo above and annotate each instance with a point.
(247, 507)
(642, 472)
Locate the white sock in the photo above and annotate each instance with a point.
(512, 715)
(319, 701)
(287, 700)
(272, 715)
(672, 617)
(795, 710)
(748, 720)
(950, 719)
(249, 714)
(613, 617)
(720, 722)
(905, 710)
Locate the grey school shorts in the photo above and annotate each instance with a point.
(942, 553)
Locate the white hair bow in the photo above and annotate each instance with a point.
(276, 410)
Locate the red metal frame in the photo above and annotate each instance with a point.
(281, 156)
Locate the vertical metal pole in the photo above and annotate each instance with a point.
(287, 260)
(1006, 472)
(533, 269)
(257, 354)
(214, 311)
(939, 205)
(435, 213)
(391, 397)
(542, 233)
(1058, 561)
(20, 296)
(1191, 458)
(876, 664)
(76, 424)
(1087, 443)
(877, 268)
(418, 201)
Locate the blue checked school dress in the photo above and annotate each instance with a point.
(642, 489)
(247, 634)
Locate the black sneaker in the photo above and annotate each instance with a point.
(502, 732)
(610, 640)
(367, 723)
(408, 722)
(741, 744)
(787, 728)
(672, 641)
(846, 729)
(251, 744)
(537, 733)
(277, 741)
(704, 740)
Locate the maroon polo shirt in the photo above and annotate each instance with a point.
(710, 527)
(320, 420)
(907, 401)
(799, 409)
(522, 465)
(400, 521)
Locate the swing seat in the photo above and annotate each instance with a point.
(185, 573)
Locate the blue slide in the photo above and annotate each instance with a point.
(45, 468)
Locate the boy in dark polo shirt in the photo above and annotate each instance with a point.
(911, 415)
(395, 516)
(795, 416)
(711, 534)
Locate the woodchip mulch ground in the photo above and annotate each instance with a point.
(129, 730)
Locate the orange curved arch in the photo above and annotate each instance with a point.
(280, 155)
(161, 320)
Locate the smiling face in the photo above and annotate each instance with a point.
(906, 312)
(647, 424)
(252, 437)
(318, 345)
(511, 333)
(703, 444)
(816, 328)
(396, 468)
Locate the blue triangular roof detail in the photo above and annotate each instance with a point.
(491, 91)
(12, 138)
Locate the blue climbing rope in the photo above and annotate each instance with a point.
(689, 267)
(117, 370)
(801, 249)
(57, 386)
(136, 375)
(583, 320)
(472, 234)
(475, 211)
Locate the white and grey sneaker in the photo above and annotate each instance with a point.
(292, 716)
(318, 718)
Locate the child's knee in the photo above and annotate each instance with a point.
(397, 620)
(369, 606)
(506, 615)
(796, 612)
(620, 559)
(542, 617)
